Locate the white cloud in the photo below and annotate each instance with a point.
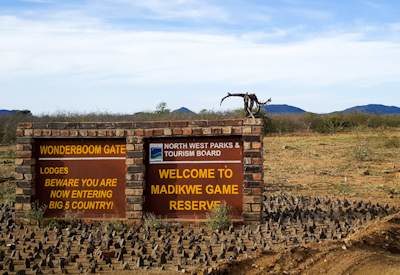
(29, 48)
(274, 35)
(79, 58)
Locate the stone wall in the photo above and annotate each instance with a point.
(135, 134)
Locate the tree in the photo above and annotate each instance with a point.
(162, 108)
(204, 111)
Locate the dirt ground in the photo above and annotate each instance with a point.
(373, 250)
(359, 165)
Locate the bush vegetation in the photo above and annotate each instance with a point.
(362, 151)
(153, 222)
(7, 193)
(274, 124)
(36, 214)
(329, 123)
(219, 218)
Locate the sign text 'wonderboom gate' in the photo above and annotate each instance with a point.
(187, 177)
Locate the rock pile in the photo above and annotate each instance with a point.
(292, 220)
(79, 247)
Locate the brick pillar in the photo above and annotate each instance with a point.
(24, 171)
(253, 169)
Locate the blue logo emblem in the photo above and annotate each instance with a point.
(156, 152)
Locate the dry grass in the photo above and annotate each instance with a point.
(7, 156)
(363, 164)
(7, 166)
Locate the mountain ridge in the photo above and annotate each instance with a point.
(377, 109)
(183, 110)
(283, 109)
(6, 112)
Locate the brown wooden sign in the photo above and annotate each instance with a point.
(81, 178)
(187, 177)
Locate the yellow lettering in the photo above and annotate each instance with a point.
(170, 189)
(164, 173)
(224, 189)
(186, 173)
(155, 189)
(172, 205)
(194, 205)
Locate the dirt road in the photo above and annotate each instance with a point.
(373, 250)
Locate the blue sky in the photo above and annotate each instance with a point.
(127, 56)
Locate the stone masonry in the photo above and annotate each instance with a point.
(136, 133)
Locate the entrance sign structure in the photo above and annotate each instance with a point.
(106, 170)
(188, 177)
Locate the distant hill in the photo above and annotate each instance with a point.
(183, 110)
(283, 109)
(6, 112)
(272, 109)
(377, 109)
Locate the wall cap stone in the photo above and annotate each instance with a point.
(138, 124)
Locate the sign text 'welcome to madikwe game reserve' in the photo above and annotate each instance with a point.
(188, 177)
(83, 178)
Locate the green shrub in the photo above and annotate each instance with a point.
(392, 191)
(343, 189)
(331, 123)
(283, 124)
(37, 213)
(219, 218)
(152, 221)
(327, 123)
(8, 126)
(362, 151)
(7, 192)
(52, 223)
(116, 226)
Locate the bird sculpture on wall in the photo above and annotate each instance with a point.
(252, 106)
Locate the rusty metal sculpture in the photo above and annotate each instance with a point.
(252, 106)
